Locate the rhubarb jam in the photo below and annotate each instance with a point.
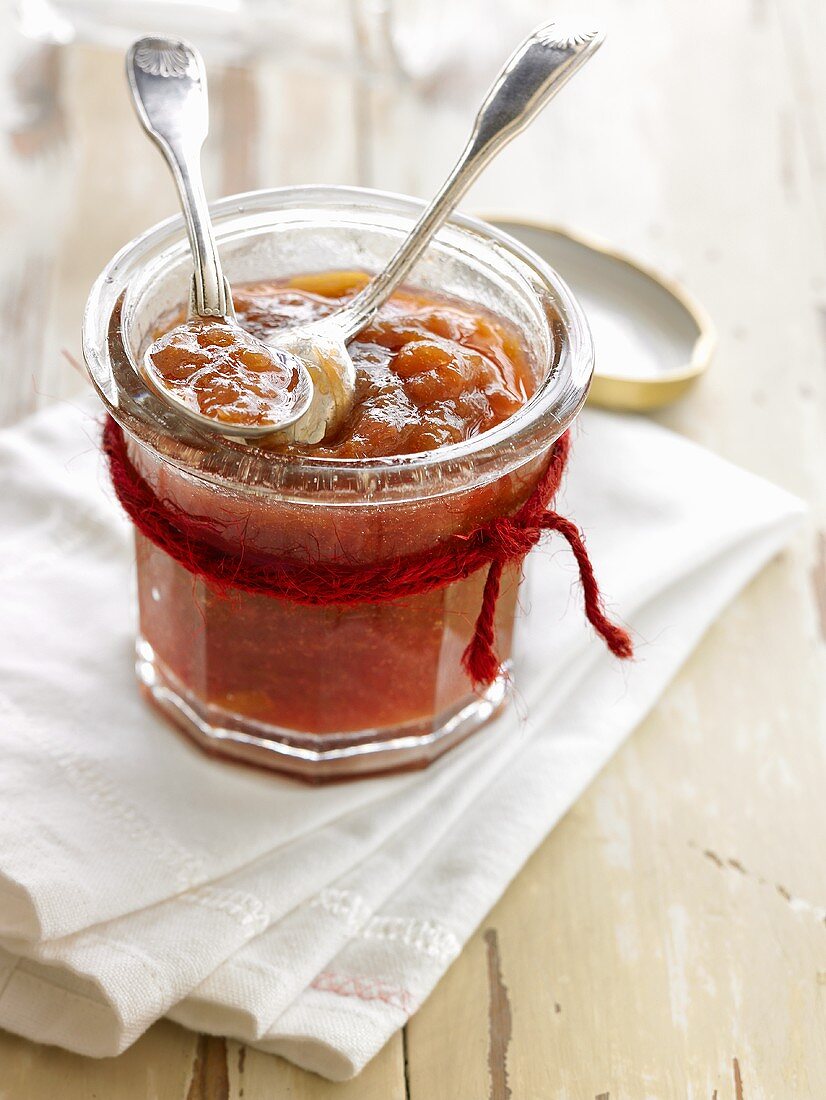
(431, 372)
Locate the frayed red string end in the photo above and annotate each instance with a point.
(480, 660)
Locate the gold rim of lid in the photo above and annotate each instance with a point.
(623, 391)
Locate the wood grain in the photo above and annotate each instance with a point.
(210, 1070)
(668, 940)
(500, 1020)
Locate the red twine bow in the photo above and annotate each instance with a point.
(507, 539)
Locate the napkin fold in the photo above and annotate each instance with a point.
(140, 878)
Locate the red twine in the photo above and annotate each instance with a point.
(507, 539)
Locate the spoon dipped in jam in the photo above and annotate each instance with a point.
(209, 368)
(533, 74)
(529, 79)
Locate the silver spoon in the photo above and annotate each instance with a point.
(533, 74)
(530, 78)
(169, 89)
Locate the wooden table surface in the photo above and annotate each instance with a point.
(668, 940)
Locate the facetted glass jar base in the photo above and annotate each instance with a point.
(314, 757)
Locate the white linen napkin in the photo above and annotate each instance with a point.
(140, 878)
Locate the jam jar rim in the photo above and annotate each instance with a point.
(502, 446)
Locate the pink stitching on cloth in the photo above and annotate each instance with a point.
(366, 989)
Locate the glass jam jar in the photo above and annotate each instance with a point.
(328, 691)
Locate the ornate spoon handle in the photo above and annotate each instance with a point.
(169, 89)
(545, 61)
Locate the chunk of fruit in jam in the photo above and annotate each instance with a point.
(221, 372)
